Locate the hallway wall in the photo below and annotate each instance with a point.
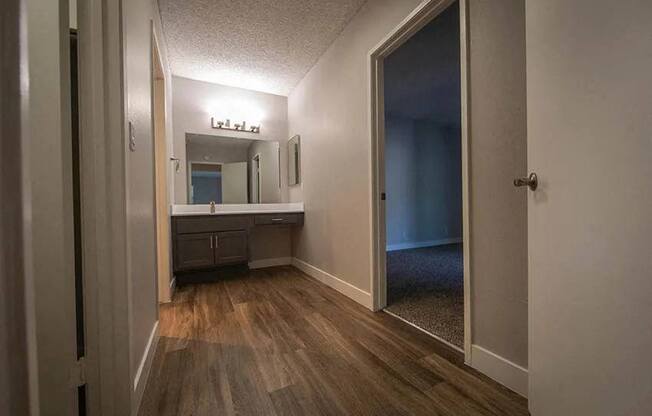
(139, 18)
(329, 108)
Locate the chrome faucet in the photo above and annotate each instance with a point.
(212, 207)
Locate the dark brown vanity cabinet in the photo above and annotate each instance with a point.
(207, 250)
(230, 247)
(194, 251)
(205, 242)
(202, 242)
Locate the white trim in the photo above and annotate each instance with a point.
(422, 15)
(422, 244)
(164, 292)
(511, 375)
(347, 289)
(142, 374)
(430, 334)
(466, 173)
(107, 280)
(256, 160)
(261, 264)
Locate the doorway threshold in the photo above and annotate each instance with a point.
(430, 334)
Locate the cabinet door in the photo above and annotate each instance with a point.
(231, 247)
(194, 251)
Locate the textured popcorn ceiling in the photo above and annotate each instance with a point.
(264, 45)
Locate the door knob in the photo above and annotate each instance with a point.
(531, 181)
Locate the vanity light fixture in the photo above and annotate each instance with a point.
(226, 125)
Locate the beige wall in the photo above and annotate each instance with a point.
(498, 155)
(196, 101)
(16, 319)
(48, 205)
(138, 16)
(330, 110)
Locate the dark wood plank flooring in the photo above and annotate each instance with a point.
(275, 342)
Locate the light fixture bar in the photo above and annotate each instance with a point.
(226, 125)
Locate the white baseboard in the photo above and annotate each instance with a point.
(140, 380)
(421, 244)
(261, 264)
(347, 289)
(510, 375)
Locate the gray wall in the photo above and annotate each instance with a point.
(138, 15)
(330, 109)
(423, 168)
(17, 384)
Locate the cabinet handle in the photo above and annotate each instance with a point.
(278, 219)
(215, 241)
(211, 241)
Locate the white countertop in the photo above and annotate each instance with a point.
(232, 209)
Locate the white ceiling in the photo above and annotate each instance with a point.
(261, 45)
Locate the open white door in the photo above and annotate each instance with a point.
(234, 183)
(589, 76)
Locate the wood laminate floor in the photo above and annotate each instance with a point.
(275, 342)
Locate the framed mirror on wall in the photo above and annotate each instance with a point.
(294, 160)
(229, 170)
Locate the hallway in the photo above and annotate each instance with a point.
(274, 342)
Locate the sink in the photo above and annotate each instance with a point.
(226, 209)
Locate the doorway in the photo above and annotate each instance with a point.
(423, 180)
(205, 183)
(420, 174)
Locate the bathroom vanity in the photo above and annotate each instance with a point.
(204, 240)
(234, 215)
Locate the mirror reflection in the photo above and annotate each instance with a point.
(229, 170)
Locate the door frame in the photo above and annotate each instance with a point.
(164, 278)
(105, 246)
(415, 21)
(257, 162)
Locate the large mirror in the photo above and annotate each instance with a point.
(294, 160)
(229, 170)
